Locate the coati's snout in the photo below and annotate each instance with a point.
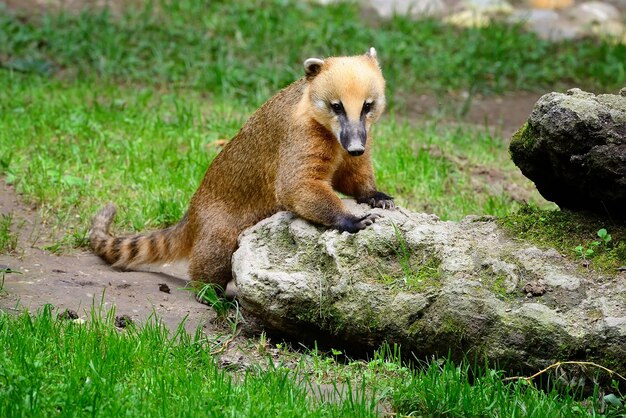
(352, 134)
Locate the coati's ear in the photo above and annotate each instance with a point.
(371, 54)
(312, 67)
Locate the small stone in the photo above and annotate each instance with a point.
(479, 13)
(546, 23)
(488, 5)
(386, 9)
(594, 12)
(578, 92)
(68, 314)
(535, 288)
(622, 92)
(123, 321)
(468, 19)
(164, 288)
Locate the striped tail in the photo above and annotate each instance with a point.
(125, 252)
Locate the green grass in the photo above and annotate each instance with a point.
(60, 367)
(461, 391)
(71, 148)
(8, 237)
(248, 50)
(51, 367)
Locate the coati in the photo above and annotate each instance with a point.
(308, 141)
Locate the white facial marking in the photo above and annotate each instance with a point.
(319, 103)
(337, 132)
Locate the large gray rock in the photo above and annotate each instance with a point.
(574, 148)
(434, 287)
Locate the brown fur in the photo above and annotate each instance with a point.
(286, 157)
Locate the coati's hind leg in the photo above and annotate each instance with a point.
(211, 257)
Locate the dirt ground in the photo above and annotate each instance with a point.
(501, 115)
(79, 280)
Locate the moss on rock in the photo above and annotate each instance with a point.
(565, 231)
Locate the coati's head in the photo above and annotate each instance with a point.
(346, 95)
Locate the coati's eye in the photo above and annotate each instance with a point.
(367, 106)
(337, 107)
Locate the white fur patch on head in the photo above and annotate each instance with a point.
(320, 104)
(372, 52)
(313, 66)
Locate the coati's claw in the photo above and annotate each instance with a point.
(353, 224)
(385, 204)
(379, 200)
(367, 220)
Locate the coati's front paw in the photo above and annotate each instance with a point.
(378, 200)
(354, 224)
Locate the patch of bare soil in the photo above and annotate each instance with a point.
(78, 281)
(502, 115)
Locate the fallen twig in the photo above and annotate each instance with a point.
(224, 345)
(561, 363)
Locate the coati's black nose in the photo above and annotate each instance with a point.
(356, 153)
